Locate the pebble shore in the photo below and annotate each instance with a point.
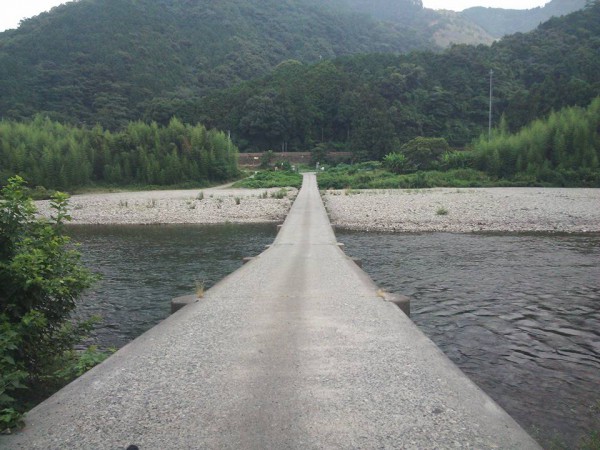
(466, 210)
(197, 206)
(399, 210)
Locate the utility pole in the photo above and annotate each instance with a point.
(490, 115)
(228, 143)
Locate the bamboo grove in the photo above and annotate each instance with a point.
(57, 156)
(561, 150)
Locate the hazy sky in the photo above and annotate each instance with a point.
(13, 11)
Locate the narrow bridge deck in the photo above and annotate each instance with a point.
(294, 350)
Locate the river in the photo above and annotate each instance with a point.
(144, 267)
(518, 313)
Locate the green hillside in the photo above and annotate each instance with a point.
(372, 104)
(105, 60)
(113, 61)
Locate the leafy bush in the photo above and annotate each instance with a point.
(319, 155)
(424, 153)
(40, 280)
(395, 162)
(456, 160)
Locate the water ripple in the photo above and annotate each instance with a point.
(520, 314)
(144, 267)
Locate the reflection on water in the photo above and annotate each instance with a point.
(144, 267)
(520, 314)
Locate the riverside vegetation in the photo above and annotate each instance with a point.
(56, 156)
(40, 279)
(562, 150)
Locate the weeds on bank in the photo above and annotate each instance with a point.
(441, 211)
(238, 200)
(281, 193)
(199, 289)
(200, 196)
(271, 178)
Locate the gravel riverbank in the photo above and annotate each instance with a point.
(466, 210)
(444, 209)
(202, 206)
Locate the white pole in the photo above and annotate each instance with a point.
(490, 115)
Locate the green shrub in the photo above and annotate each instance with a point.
(425, 153)
(395, 162)
(40, 280)
(456, 160)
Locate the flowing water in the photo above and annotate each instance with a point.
(144, 267)
(519, 314)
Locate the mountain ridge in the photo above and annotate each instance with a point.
(499, 22)
(113, 61)
(99, 58)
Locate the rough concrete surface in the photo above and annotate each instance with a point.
(293, 350)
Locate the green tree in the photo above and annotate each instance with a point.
(395, 162)
(40, 280)
(425, 153)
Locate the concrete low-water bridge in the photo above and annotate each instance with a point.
(295, 350)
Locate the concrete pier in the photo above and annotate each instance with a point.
(295, 350)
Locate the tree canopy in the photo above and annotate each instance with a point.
(373, 104)
(58, 156)
(112, 61)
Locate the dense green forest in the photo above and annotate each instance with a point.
(372, 104)
(57, 156)
(113, 61)
(159, 64)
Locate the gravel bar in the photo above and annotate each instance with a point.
(201, 206)
(466, 210)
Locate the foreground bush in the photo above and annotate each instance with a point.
(40, 280)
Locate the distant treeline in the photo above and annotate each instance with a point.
(57, 156)
(559, 150)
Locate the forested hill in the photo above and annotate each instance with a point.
(105, 60)
(372, 104)
(500, 22)
(112, 61)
